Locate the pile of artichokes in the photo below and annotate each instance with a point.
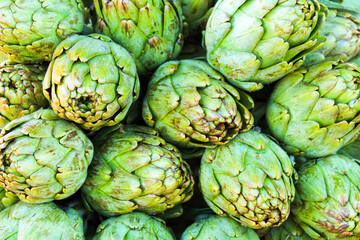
(179, 119)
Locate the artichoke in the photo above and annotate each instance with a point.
(20, 91)
(289, 230)
(218, 227)
(133, 226)
(327, 198)
(7, 199)
(342, 31)
(257, 42)
(25, 221)
(250, 179)
(30, 30)
(91, 81)
(191, 105)
(315, 111)
(150, 30)
(134, 169)
(43, 157)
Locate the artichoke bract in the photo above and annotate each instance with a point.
(31, 30)
(327, 198)
(91, 81)
(20, 91)
(289, 230)
(191, 105)
(257, 42)
(218, 227)
(43, 157)
(135, 170)
(342, 32)
(7, 199)
(315, 111)
(250, 179)
(133, 226)
(26, 221)
(351, 150)
(150, 30)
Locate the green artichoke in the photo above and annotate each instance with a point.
(218, 227)
(315, 111)
(257, 42)
(191, 105)
(327, 198)
(135, 170)
(7, 199)
(250, 179)
(133, 226)
(25, 221)
(342, 31)
(20, 91)
(91, 81)
(289, 230)
(43, 157)
(150, 30)
(30, 30)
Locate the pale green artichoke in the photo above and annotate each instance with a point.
(289, 230)
(25, 221)
(30, 30)
(135, 170)
(327, 198)
(20, 91)
(257, 42)
(218, 227)
(315, 111)
(43, 157)
(7, 199)
(249, 179)
(342, 32)
(133, 226)
(191, 105)
(92, 81)
(150, 30)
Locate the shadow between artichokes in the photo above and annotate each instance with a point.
(249, 179)
(135, 170)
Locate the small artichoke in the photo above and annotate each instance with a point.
(135, 170)
(250, 179)
(133, 226)
(342, 32)
(92, 81)
(327, 198)
(25, 221)
(30, 30)
(315, 111)
(150, 30)
(191, 105)
(257, 42)
(43, 157)
(218, 227)
(20, 91)
(289, 230)
(7, 199)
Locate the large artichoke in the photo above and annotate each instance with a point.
(91, 81)
(135, 170)
(30, 30)
(342, 32)
(327, 198)
(218, 227)
(191, 105)
(20, 91)
(43, 157)
(133, 226)
(25, 221)
(250, 179)
(257, 42)
(149, 29)
(315, 111)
